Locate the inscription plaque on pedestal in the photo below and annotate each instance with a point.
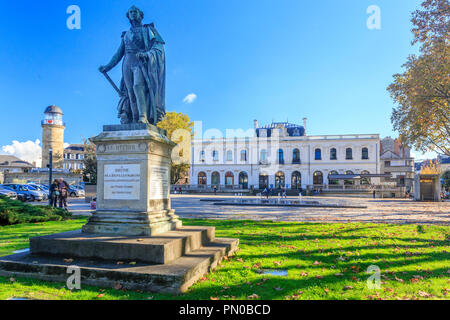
(159, 183)
(122, 182)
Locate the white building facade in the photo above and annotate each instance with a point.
(282, 155)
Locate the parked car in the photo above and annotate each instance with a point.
(21, 195)
(8, 193)
(40, 187)
(33, 195)
(76, 192)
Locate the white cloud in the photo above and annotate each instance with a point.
(28, 151)
(190, 98)
(418, 155)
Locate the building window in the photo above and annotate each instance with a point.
(318, 178)
(348, 154)
(263, 181)
(332, 181)
(318, 154)
(296, 157)
(296, 180)
(280, 156)
(215, 155)
(280, 181)
(243, 180)
(263, 155)
(244, 155)
(202, 178)
(229, 155)
(215, 179)
(365, 180)
(365, 154)
(349, 182)
(333, 154)
(229, 178)
(202, 155)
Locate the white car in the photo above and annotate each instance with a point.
(8, 193)
(40, 188)
(76, 192)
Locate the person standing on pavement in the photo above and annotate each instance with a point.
(63, 188)
(54, 194)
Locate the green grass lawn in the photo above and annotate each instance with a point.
(323, 261)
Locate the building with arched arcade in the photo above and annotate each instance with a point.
(282, 155)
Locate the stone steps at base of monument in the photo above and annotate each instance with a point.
(161, 249)
(175, 277)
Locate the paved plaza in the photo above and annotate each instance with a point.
(377, 211)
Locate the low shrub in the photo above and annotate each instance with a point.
(16, 212)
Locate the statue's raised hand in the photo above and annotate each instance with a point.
(103, 69)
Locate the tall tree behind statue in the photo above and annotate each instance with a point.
(422, 91)
(179, 129)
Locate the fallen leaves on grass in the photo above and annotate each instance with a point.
(253, 296)
(348, 288)
(416, 279)
(424, 294)
(399, 280)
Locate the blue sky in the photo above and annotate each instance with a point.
(243, 59)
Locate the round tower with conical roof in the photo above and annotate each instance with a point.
(53, 137)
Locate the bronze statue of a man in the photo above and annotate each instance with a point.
(143, 84)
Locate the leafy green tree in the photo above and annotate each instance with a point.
(422, 91)
(180, 130)
(90, 163)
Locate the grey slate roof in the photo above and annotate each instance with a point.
(12, 161)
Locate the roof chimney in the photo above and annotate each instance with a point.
(304, 124)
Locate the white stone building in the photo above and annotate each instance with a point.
(74, 157)
(282, 155)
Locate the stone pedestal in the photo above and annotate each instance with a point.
(134, 238)
(133, 182)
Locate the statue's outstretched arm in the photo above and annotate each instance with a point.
(115, 59)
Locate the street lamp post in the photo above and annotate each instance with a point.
(50, 174)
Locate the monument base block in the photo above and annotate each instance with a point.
(168, 263)
(133, 182)
(132, 223)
